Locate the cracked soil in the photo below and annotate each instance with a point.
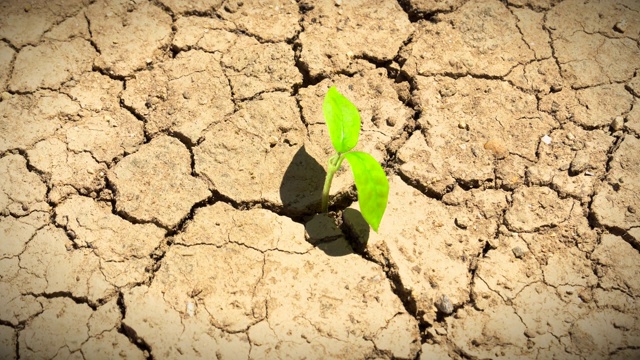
(161, 164)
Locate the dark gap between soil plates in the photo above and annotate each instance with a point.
(69, 295)
(358, 242)
(130, 333)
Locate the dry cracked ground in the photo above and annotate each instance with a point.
(161, 164)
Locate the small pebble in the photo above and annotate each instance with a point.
(441, 331)
(391, 121)
(463, 125)
(556, 88)
(546, 139)
(585, 295)
(517, 251)
(444, 305)
(570, 136)
(580, 162)
(350, 54)
(498, 148)
(462, 222)
(338, 2)
(493, 244)
(620, 26)
(617, 123)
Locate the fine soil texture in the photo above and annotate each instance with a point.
(162, 163)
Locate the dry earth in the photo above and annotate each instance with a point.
(161, 164)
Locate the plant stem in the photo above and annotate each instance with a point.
(334, 164)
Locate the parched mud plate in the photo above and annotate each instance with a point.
(161, 163)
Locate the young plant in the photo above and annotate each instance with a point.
(343, 121)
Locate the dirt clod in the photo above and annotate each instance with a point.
(155, 183)
(497, 147)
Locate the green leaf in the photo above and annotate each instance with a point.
(343, 120)
(372, 185)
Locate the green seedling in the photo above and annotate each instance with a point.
(343, 121)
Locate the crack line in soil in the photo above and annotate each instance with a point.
(129, 332)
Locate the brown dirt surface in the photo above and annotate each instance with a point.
(162, 162)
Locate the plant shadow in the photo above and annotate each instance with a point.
(322, 232)
(336, 248)
(352, 237)
(301, 192)
(301, 186)
(356, 229)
